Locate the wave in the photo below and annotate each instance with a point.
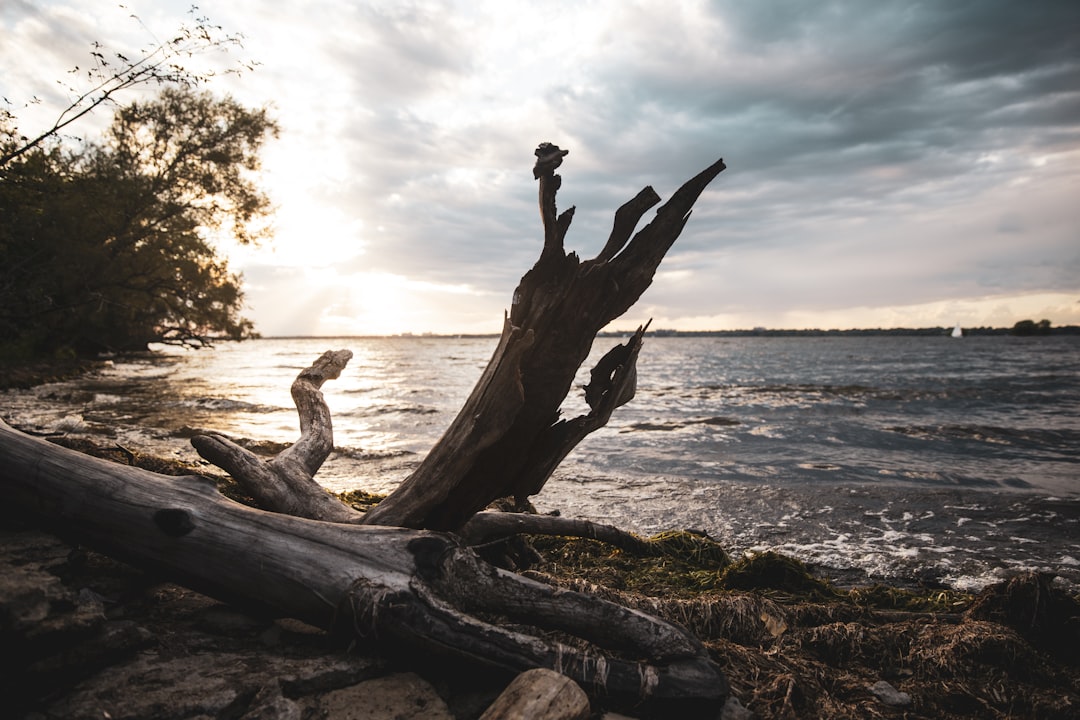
(361, 454)
(825, 391)
(230, 405)
(390, 410)
(678, 424)
(1065, 441)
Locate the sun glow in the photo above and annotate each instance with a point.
(367, 303)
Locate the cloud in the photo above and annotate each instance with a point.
(888, 155)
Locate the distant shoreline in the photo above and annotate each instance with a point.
(756, 332)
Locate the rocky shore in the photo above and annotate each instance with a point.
(88, 637)
(84, 636)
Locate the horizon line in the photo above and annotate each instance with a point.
(667, 332)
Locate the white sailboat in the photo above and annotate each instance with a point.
(957, 332)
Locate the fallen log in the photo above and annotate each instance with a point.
(408, 591)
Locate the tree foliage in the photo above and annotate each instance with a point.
(112, 247)
(1030, 327)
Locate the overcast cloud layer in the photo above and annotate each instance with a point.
(890, 163)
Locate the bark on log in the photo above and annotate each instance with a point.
(540, 695)
(409, 590)
(507, 439)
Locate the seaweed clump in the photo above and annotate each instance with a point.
(360, 499)
(1044, 615)
(776, 574)
(676, 563)
(887, 597)
(793, 645)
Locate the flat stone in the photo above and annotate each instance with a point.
(148, 688)
(404, 696)
(151, 687)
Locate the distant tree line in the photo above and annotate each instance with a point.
(1030, 327)
(110, 246)
(1024, 327)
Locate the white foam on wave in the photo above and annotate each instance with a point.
(68, 424)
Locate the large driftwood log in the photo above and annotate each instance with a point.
(410, 591)
(415, 590)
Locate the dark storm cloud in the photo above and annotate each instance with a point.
(827, 111)
(809, 88)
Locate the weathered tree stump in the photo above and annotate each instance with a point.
(508, 438)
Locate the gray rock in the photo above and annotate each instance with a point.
(734, 710)
(151, 688)
(889, 695)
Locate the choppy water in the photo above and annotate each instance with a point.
(952, 461)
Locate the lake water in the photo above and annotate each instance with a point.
(939, 460)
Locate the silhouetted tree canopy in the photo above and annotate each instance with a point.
(111, 247)
(1030, 327)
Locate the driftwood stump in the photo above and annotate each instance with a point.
(508, 437)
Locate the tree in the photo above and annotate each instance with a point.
(415, 585)
(1030, 327)
(111, 72)
(111, 248)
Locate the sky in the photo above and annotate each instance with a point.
(890, 164)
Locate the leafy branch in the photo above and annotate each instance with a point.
(162, 63)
